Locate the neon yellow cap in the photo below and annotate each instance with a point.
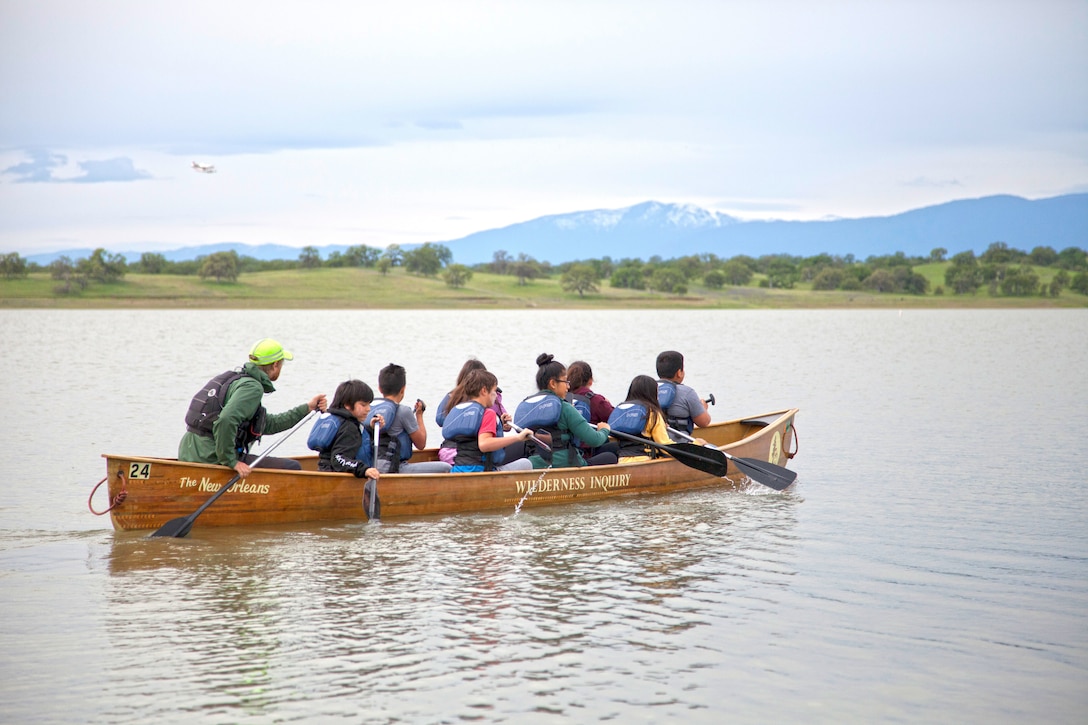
(268, 351)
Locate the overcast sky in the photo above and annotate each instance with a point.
(403, 122)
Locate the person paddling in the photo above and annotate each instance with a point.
(549, 411)
(350, 450)
(226, 417)
(640, 415)
(404, 427)
(474, 432)
(593, 406)
(684, 409)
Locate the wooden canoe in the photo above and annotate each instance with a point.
(156, 490)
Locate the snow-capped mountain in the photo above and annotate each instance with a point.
(675, 230)
(649, 214)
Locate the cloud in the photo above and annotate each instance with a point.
(38, 169)
(42, 165)
(118, 169)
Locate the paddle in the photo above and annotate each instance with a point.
(709, 460)
(179, 527)
(536, 440)
(769, 474)
(371, 504)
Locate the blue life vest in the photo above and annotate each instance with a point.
(394, 448)
(581, 404)
(441, 413)
(324, 433)
(629, 418)
(462, 431)
(366, 449)
(463, 420)
(666, 394)
(538, 411)
(541, 412)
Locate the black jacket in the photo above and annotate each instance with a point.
(345, 446)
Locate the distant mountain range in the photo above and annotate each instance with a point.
(676, 230)
(672, 230)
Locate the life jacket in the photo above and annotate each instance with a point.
(541, 412)
(666, 394)
(581, 404)
(630, 418)
(392, 448)
(324, 433)
(207, 405)
(462, 431)
(441, 413)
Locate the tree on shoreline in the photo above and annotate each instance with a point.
(221, 265)
(457, 275)
(427, 260)
(12, 266)
(309, 258)
(580, 278)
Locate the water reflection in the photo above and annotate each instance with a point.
(562, 598)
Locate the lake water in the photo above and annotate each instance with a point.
(930, 565)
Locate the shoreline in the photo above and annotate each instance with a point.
(364, 289)
(659, 304)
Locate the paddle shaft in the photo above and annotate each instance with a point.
(769, 474)
(371, 486)
(180, 527)
(536, 440)
(704, 459)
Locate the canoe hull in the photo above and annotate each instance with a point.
(157, 490)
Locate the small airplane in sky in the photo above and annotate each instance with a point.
(203, 168)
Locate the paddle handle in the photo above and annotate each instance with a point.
(688, 437)
(536, 440)
(691, 439)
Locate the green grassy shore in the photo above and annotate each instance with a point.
(362, 288)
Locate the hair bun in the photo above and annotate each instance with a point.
(544, 358)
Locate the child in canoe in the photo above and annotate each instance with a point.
(350, 449)
(473, 430)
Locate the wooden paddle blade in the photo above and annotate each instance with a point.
(176, 528)
(709, 460)
(776, 477)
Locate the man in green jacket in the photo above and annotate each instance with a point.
(226, 415)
